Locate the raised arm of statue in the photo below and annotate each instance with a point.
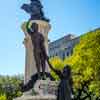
(58, 72)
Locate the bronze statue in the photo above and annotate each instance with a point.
(35, 10)
(65, 86)
(39, 48)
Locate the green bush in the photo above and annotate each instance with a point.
(3, 97)
(10, 86)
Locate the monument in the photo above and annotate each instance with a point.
(38, 83)
(37, 76)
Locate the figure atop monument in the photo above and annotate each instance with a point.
(35, 10)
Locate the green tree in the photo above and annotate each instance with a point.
(10, 86)
(85, 63)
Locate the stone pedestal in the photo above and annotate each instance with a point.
(30, 66)
(44, 89)
(48, 97)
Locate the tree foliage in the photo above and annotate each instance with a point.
(3, 97)
(85, 61)
(10, 87)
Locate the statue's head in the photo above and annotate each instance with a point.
(67, 71)
(34, 27)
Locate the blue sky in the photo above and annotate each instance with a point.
(67, 16)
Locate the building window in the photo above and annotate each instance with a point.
(63, 55)
(56, 54)
(71, 51)
(67, 53)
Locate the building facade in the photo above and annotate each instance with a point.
(63, 47)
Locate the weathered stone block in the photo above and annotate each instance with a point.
(47, 97)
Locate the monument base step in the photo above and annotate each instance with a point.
(38, 97)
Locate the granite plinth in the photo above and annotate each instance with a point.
(46, 87)
(47, 97)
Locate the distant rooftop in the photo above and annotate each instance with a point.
(67, 37)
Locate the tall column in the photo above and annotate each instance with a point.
(30, 65)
